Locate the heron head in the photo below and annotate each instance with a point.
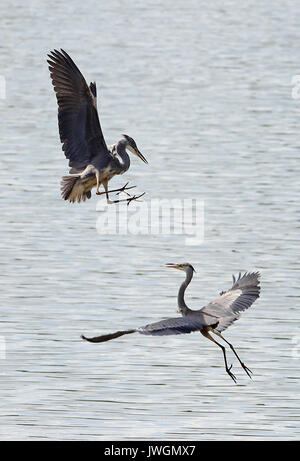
(182, 267)
(131, 145)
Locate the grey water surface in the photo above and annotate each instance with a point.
(205, 90)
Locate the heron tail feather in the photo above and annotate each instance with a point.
(73, 190)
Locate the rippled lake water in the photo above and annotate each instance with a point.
(205, 89)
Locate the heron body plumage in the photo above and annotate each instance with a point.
(212, 318)
(81, 134)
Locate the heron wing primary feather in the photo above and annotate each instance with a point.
(108, 337)
(79, 126)
(244, 291)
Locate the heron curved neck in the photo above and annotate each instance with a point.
(122, 155)
(182, 307)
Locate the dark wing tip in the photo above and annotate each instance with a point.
(253, 276)
(90, 340)
(60, 56)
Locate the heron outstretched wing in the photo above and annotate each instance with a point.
(244, 291)
(171, 326)
(218, 314)
(79, 126)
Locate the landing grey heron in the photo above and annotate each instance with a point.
(213, 318)
(90, 159)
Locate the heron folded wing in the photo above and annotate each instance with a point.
(79, 126)
(241, 296)
(172, 326)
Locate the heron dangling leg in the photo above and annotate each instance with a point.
(134, 197)
(128, 200)
(98, 181)
(247, 370)
(123, 189)
(208, 336)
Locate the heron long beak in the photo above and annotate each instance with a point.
(138, 153)
(173, 266)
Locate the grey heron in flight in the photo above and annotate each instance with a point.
(92, 162)
(212, 318)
